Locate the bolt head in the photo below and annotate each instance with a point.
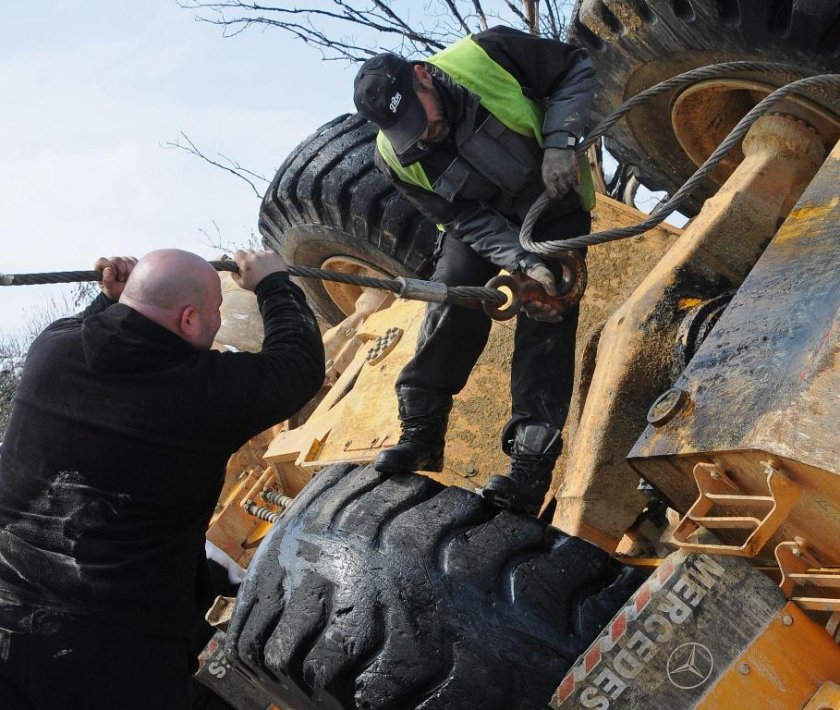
(787, 620)
(667, 406)
(743, 669)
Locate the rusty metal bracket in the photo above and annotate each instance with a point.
(715, 488)
(801, 569)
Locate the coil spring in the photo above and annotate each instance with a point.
(277, 498)
(261, 512)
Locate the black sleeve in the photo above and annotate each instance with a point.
(550, 71)
(99, 304)
(289, 370)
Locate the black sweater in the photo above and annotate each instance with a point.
(116, 450)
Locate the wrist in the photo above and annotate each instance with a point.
(279, 278)
(562, 140)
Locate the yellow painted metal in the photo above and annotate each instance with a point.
(717, 490)
(827, 697)
(765, 386)
(358, 417)
(598, 497)
(232, 529)
(342, 341)
(345, 296)
(781, 670)
(800, 570)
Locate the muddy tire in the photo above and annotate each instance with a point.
(394, 592)
(329, 200)
(638, 43)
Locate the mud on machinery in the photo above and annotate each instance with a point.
(708, 365)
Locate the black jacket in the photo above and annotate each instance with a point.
(115, 455)
(490, 194)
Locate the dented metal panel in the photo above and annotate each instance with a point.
(767, 376)
(765, 384)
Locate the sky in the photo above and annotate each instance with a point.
(90, 90)
(89, 93)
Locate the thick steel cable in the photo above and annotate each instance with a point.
(553, 247)
(454, 294)
(675, 82)
(470, 294)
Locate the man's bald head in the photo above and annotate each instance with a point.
(178, 290)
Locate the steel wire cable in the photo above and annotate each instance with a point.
(454, 294)
(553, 247)
(471, 294)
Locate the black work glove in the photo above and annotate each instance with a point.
(559, 171)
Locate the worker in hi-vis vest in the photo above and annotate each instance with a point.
(472, 136)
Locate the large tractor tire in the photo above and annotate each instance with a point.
(638, 43)
(328, 206)
(393, 592)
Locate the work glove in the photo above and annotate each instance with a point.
(540, 272)
(535, 309)
(559, 171)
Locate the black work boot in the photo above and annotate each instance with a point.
(424, 415)
(533, 452)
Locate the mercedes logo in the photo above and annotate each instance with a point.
(690, 665)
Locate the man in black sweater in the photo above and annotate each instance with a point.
(111, 467)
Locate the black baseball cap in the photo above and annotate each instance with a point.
(384, 94)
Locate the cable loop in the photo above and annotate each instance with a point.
(554, 247)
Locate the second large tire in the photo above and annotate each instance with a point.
(384, 592)
(328, 200)
(638, 43)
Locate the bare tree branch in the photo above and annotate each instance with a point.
(232, 166)
(482, 18)
(379, 25)
(457, 15)
(550, 23)
(516, 11)
(531, 11)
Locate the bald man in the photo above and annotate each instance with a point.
(112, 464)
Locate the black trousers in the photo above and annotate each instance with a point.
(52, 660)
(453, 337)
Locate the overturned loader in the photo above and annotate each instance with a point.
(707, 366)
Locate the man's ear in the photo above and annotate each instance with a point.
(423, 76)
(189, 323)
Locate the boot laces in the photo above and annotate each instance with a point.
(523, 464)
(420, 429)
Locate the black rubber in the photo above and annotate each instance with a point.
(637, 43)
(328, 199)
(394, 592)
